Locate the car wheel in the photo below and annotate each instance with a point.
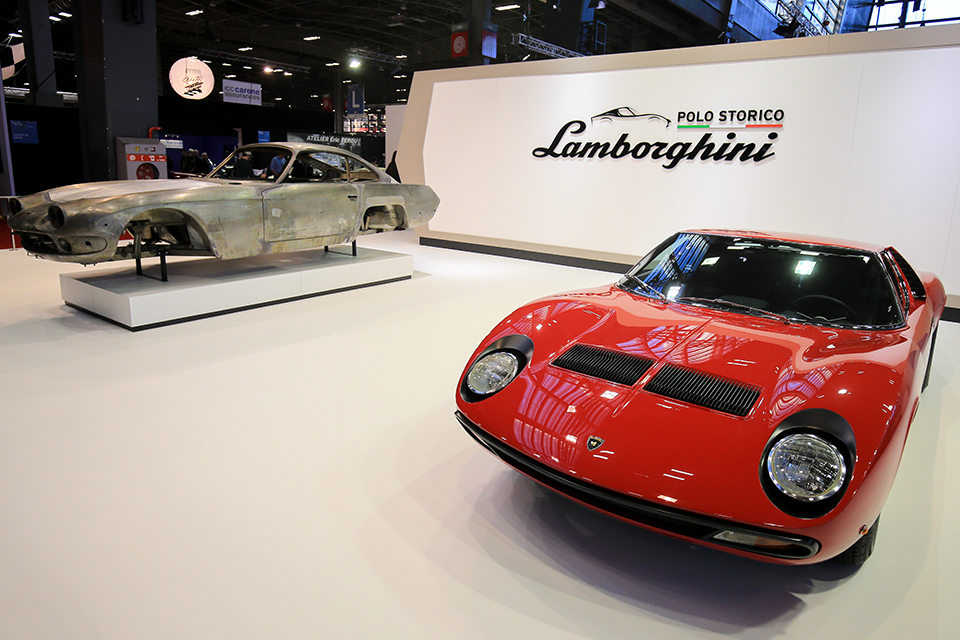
(933, 344)
(858, 553)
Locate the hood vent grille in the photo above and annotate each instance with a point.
(614, 366)
(704, 390)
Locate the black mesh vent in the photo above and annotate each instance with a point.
(614, 366)
(916, 284)
(704, 390)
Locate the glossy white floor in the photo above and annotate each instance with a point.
(295, 471)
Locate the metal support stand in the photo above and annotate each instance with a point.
(354, 248)
(163, 266)
(137, 237)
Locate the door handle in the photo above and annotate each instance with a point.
(351, 197)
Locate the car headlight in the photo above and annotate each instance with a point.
(492, 373)
(806, 467)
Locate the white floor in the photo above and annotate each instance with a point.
(296, 471)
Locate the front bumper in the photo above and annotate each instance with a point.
(675, 522)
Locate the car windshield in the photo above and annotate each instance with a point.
(794, 282)
(253, 163)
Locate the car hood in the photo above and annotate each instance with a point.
(111, 189)
(668, 444)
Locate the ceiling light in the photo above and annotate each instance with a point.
(226, 64)
(278, 98)
(267, 70)
(354, 63)
(55, 18)
(195, 12)
(245, 49)
(309, 38)
(347, 81)
(402, 56)
(507, 7)
(231, 75)
(278, 70)
(65, 14)
(247, 67)
(400, 77)
(15, 35)
(333, 64)
(287, 73)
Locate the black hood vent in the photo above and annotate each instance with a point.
(614, 366)
(704, 390)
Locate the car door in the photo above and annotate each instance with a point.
(313, 199)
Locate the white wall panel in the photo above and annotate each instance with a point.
(867, 150)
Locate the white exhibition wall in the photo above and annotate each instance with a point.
(861, 144)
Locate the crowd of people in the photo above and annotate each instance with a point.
(192, 161)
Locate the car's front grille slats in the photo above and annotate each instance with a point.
(704, 390)
(615, 366)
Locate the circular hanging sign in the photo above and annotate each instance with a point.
(191, 78)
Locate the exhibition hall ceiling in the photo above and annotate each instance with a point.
(308, 44)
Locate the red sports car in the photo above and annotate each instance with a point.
(744, 391)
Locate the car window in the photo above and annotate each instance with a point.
(360, 172)
(253, 163)
(808, 283)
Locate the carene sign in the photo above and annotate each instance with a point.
(191, 78)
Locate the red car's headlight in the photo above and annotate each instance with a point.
(806, 467)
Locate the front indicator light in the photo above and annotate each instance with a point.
(492, 373)
(806, 467)
(778, 547)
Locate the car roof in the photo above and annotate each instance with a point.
(297, 147)
(799, 238)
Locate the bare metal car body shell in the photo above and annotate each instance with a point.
(224, 217)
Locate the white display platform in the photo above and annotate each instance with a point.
(205, 287)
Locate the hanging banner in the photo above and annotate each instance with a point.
(458, 39)
(191, 78)
(241, 92)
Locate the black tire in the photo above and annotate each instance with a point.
(862, 549)
(933, 344)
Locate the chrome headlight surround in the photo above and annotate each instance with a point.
(807, 464)
(496, 367)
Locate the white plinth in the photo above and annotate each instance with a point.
(205, 287)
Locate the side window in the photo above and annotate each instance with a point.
(359, 172)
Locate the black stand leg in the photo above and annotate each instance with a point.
(163, 266)
(354, 248)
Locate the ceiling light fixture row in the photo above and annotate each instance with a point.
(256, 62)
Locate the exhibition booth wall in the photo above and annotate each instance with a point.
(600, 158)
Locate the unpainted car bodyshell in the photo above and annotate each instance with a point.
(691, 460)
(223, 217)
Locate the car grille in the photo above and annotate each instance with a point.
(37, 242)
(665, 519)
(614, 366)
(704, 390)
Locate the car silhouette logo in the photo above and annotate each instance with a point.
(628, 112)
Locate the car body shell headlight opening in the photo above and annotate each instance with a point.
(56, 216)
(806, 467)
(492, 373)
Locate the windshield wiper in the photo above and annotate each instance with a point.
(735, 305)
(646, 287)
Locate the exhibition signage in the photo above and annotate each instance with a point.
(355, 100)
(191, 78)
(24, 132)
(458, 39)
(567, 143)
(242, 92)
